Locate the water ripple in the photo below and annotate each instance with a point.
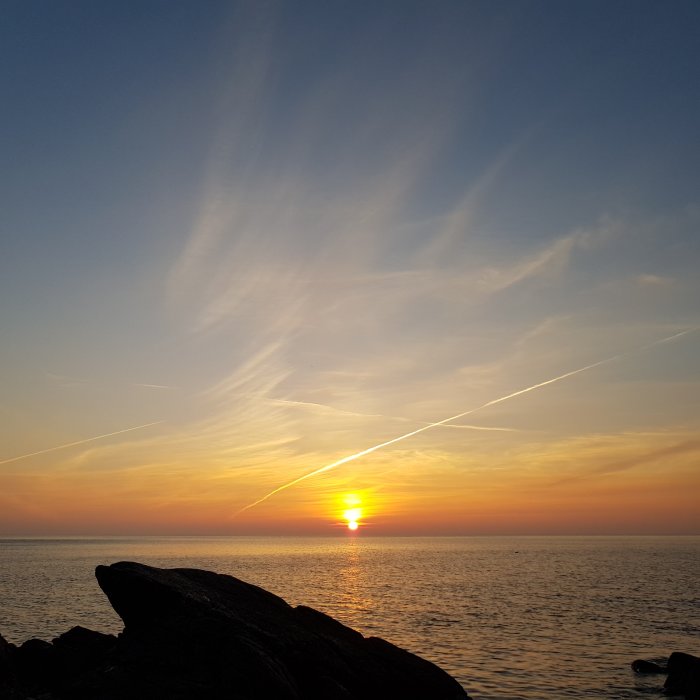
(510, 618)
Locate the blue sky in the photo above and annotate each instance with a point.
(291, 230)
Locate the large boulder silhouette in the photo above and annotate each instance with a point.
(193, 634)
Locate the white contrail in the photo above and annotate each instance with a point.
(493, 402)
(80, 442)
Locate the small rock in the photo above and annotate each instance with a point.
(648, 667)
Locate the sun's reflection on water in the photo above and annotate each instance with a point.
(354, 599)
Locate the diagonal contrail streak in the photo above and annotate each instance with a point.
(493, 402)
(79, 442)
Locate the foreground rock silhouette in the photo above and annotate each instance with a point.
(193, 635)
(683, 679)
(683, 676)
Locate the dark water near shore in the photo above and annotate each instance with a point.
(510, 618)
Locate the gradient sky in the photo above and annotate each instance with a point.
(285, 232)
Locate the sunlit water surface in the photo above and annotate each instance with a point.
(510, 618)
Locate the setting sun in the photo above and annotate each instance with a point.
(352, 514)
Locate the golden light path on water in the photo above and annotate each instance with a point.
(493, 402)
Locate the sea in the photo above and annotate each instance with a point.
(511, 618)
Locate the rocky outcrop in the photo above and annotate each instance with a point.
(193, 634)
(683, 674)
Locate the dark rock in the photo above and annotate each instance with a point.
(36, 662)
(9, 683)
(76, 651)
(6, 650)
(192, 634)
(242, 641)
(648, 667)
(683, 676)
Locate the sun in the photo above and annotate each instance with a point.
(352, 514)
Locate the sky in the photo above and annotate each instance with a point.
(241, 242)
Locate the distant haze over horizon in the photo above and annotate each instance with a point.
(246, 246)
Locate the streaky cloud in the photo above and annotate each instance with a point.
(493, 402)
(155, 386)
(638, 460)
(326, 408)
(487, 428)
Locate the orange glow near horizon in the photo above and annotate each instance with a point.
(600, 484)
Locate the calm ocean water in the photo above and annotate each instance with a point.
(510, 618)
